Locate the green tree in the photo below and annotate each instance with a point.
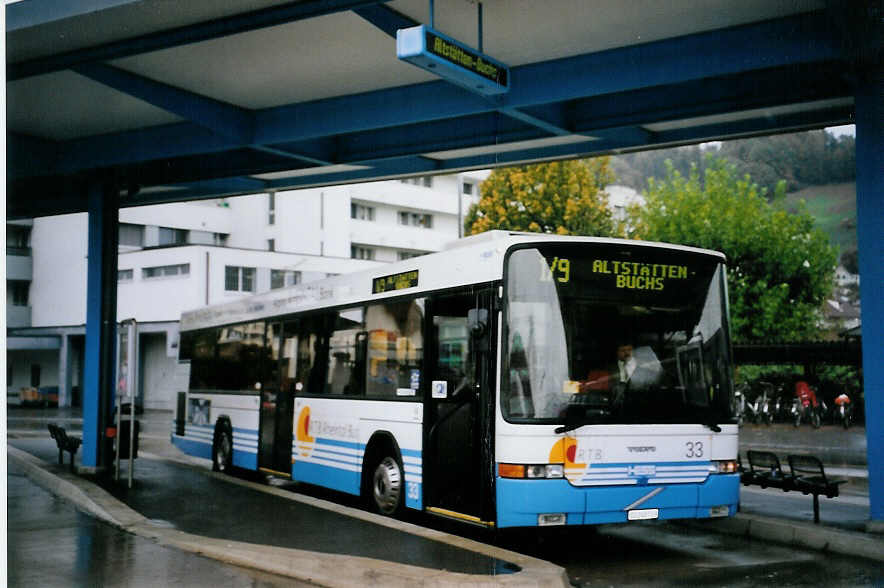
(559, 197)
(780, 267)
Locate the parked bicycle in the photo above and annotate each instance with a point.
(805, 405)
(843, 410)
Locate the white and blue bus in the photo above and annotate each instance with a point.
(514, 380)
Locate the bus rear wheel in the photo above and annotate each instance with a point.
(387, 484)
(222, 449)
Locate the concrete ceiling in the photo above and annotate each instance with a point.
(172, 101)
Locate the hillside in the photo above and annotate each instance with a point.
(834, 208)
(816, 166)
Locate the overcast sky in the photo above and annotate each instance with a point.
(843, 130)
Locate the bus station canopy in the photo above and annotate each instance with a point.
(174, 101)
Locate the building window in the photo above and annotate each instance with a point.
(283, 278)
(239, 279)
(357, 252)
(361, 212)
(271, 209)
(35, 375)
(17, 240)
(165, 271)
(414, 219)
(131, 235)
(169, 236)
(271, 244)
(425, 181)
(403, 255)
(125, 275)
(17, 292)
(468, 188)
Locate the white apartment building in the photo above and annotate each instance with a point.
(176, 257)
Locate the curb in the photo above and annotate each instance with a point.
(325, 569)
(797, 534)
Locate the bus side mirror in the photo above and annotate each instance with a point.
(477, 321)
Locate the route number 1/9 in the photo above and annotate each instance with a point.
(559, 269)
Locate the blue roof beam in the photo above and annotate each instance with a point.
(232, 122)
(780, 43)
(214, 29)
(761, 89)
(553, 119)
(385, 18)
(577, 81)
(607, 141)
(456, 133)
(30, 156)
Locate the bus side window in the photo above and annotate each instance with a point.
(342, 360)
(395, 346)
(202, 349)
(289, 356)
(312, 354)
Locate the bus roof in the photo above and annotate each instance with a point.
(472, 260)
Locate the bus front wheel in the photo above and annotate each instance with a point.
(222, 449)
(387, 485)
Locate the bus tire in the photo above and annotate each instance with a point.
(388, 486)
(222, 448)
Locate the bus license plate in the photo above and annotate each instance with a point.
(643, 514)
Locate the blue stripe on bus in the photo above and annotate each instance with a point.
(331, 449)
(245, 459)
(193, 447)
(353, 461)
(694, 464)
(520, 501)
(327, 476)
(349, 444)
(414, 495)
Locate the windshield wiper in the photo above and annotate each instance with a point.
(715, 428)
(571, 426)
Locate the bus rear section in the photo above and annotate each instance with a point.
(616, 396)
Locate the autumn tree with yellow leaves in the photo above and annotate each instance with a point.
(559, 197)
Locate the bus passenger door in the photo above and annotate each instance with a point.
(277, 402)
(457, 364)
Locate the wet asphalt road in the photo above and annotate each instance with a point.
(648, 553)
(665, 554)
(50, 543)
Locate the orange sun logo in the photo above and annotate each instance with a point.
(564, 451)
(303, 431)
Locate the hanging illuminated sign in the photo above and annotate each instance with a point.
(451, 60)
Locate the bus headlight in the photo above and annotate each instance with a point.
(723, 466)
(534, 471)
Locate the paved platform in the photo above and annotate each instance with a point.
(51, 543)
(294, 531)
(271, 528)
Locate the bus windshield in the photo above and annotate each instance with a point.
(615, 334)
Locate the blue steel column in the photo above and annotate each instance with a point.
(101, 317)
(870, 234)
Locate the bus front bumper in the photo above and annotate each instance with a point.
(530, 503)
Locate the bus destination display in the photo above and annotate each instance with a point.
(393, 282)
